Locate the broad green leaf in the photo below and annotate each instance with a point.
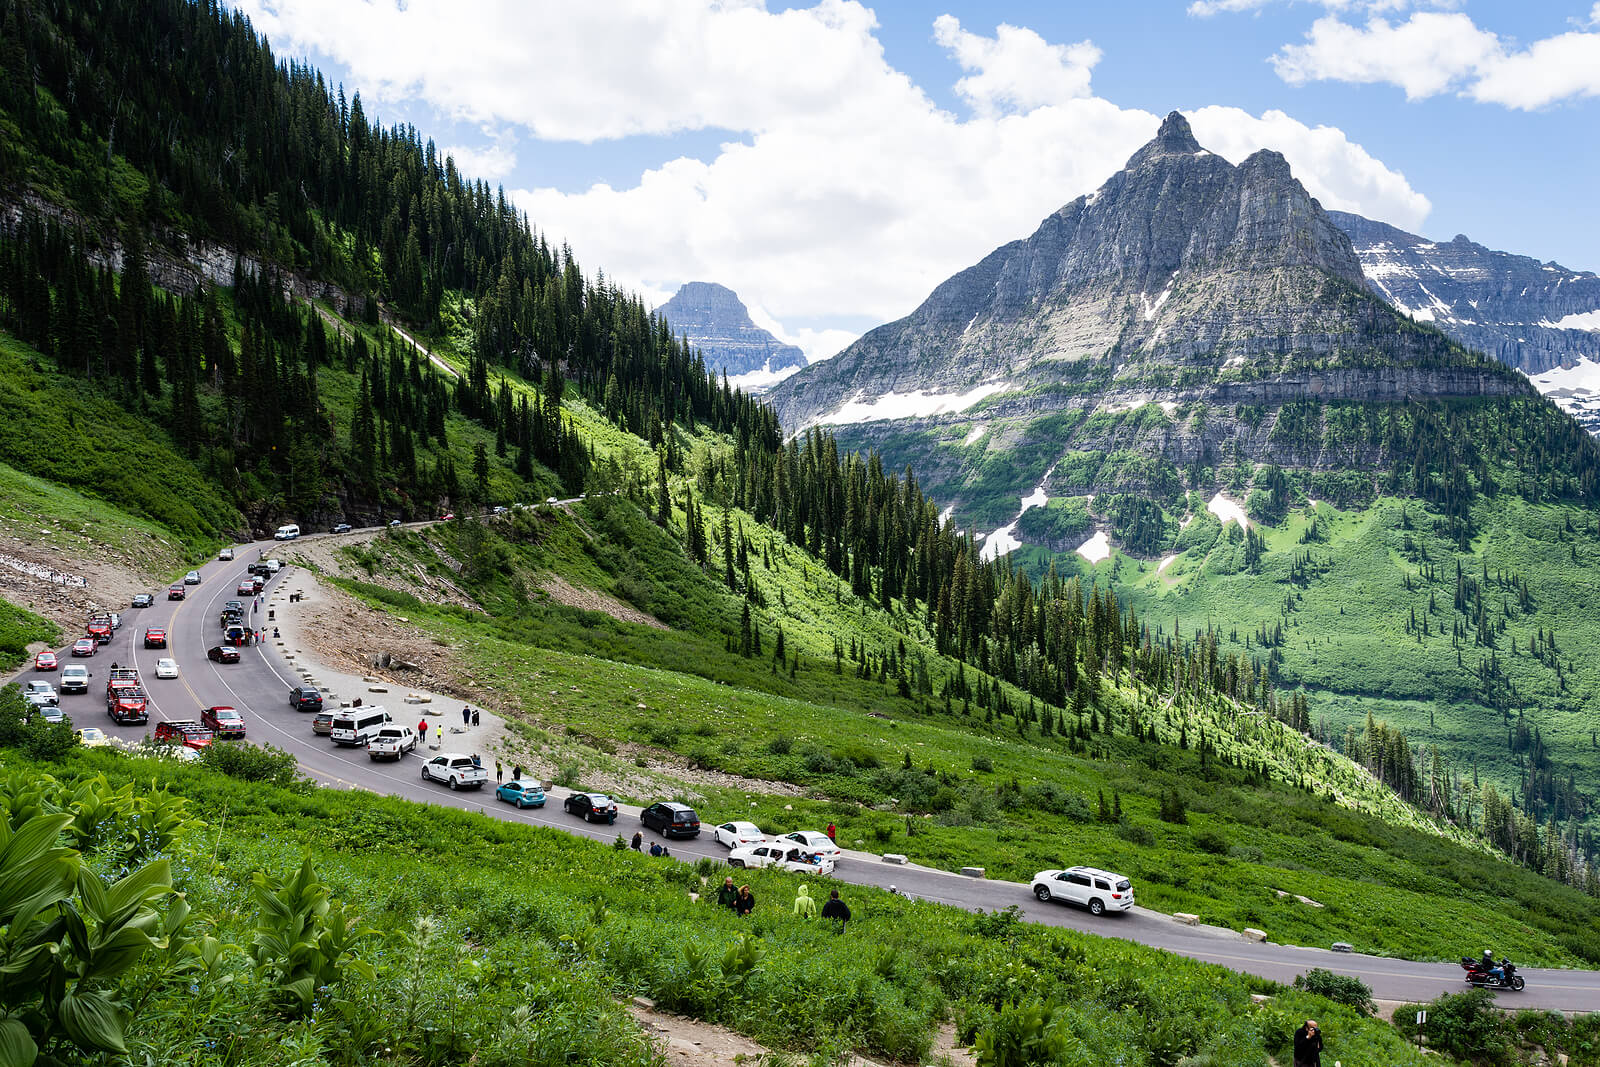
(92, 1022)
(17, 1048)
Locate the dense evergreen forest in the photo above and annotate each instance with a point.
(125, 125)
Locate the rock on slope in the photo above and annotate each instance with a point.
(716, 322)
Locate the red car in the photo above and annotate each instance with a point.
(128, 704)
(45, 661)
(176, 592)
(222, 654)
(246, 588)
(155, 637)
(224, 721)
(184, 732)
(84, 646)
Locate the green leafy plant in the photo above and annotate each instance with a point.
(67, 938)
(1341, 988)
(304, 940)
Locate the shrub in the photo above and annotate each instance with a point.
(1340, 988)
(1212, 842)
(251, 764)
(983, 764)
(1463, 1025)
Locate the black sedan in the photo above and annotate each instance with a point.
(222, 654)
(143, 600)
(595, 807)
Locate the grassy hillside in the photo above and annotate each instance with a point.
(900, 773)
(446, 937)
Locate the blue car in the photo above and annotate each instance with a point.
(522, 794)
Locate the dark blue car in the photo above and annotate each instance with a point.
(522, 794)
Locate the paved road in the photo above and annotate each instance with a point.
(258, 686)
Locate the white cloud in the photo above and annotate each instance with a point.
(490, 163)
(844, 193)
(598, 69)
(1016, 69)
(1434, 52)
(1207, 8)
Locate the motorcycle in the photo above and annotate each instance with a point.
(1480, 978)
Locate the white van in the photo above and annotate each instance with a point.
(287, 533)
(357, 726)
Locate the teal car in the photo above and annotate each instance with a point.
(521, 793)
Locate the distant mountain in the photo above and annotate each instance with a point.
(1541, 318)
(715, 321)
(1189, 316)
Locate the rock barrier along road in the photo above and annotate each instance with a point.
(259, 687)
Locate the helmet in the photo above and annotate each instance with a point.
(1488, 956)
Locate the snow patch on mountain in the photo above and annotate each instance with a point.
(1227, 511)
(1096, 549)
(919, 404)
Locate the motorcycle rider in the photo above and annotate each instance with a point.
(1491, 969)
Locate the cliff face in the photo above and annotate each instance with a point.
(1183, 277)
(716, 322)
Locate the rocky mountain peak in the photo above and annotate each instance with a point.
(1174, 138)
(715, 321)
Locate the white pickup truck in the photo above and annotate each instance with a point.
(455, 770)
(391, 742)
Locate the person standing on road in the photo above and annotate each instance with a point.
(422, 730)
(727, 895)
(836, 909)
(499, 773)
(745, 902)
(1308, 1045)
(638, 841)
(516, 772)
(438, 736)
(466, 715)
(832, 829)
(804, 906)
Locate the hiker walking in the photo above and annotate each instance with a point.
(499, 774)
(804, 906)
(1308, 1045)
(745, 902)
(727, 894)
(836, 909)
(438, 736)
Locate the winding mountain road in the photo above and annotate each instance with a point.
(259, 684)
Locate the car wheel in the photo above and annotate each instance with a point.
(372, 757)
(424, 772)
(453, 783)
(1043, 893)
(1096, 907)
(520, 804)
(735, 863)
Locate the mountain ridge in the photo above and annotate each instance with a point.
(712, 318)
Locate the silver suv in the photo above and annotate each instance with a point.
(1088, 887)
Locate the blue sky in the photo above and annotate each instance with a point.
(833, 161)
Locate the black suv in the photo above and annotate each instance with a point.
(259, 568)
(304, 698)
(670, 819)
(595, 807)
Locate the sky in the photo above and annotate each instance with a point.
(832, 162)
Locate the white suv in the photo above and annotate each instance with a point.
(1089, 887)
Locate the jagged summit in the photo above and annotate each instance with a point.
(1183, 282)
(716, 321)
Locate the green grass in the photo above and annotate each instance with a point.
(1387, 881)
(512, 944)
(73, 433)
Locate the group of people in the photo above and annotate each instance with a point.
(656, 847)
(742, 902)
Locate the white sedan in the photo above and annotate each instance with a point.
(738, 834)
(784, 855)
(166, 668)
(815, 841)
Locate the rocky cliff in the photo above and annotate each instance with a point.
(716, 322)
(1190, 317)
(1541, 318)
